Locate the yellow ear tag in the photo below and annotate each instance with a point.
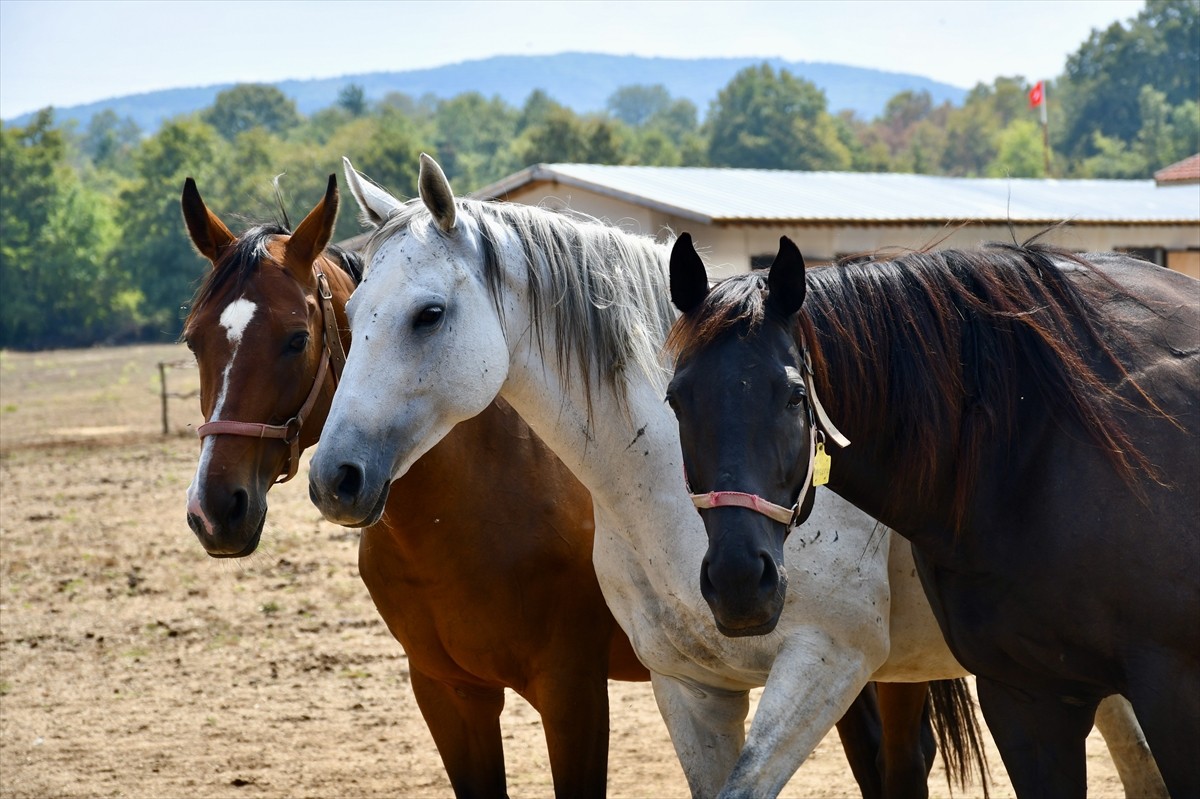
(821, 464)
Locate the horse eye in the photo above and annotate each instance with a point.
(670, 398)
(796, 399)
(191, 345)
(298, 342)
(429, 316)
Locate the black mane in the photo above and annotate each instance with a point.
(935, 344)
(240, 261)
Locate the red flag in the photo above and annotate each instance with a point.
(1036, 95)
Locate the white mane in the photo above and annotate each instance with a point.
(603, 289)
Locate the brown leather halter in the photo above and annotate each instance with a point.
(289, 431)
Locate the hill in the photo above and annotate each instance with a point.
(581, 81)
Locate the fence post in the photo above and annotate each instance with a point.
(162, 378)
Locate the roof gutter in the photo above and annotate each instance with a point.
(542, 174)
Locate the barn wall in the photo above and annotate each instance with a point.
(728, 249)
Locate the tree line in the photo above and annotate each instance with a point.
(92, 247)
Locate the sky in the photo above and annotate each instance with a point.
(68, 52)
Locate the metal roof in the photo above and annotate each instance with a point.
(762, 196)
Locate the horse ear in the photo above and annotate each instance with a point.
(689, 280)
(436, 194)
(312, 235)
(375, 203)
(208, 233)
(785, 282)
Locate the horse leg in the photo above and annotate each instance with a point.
(465, 724)
(1165, 693)
(810, 686)
(574, 711)
(707, 727)
(903, 708)
(1041, 739)
(1128, 748)
(861, 732)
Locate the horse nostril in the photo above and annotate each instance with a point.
(238, 503)
(349, 482)
(770, 575)
(707, 589)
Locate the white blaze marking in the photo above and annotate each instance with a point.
(235, 318)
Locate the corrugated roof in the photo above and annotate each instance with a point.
(716, 196)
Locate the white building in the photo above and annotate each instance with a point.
(736, 216)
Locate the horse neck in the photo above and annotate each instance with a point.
(621, 441)
(628, 444)
(872, 473)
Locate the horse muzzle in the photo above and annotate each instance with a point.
(345, 493)
(228, 523)
(744, 584)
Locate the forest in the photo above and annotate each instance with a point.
(93, 249)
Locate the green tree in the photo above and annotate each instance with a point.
(678, 119)
(250, 105)
(154, 246)
(352, 99)
(767, 121)
(1113, 160)
(637, 105)
(1185, 122)
(1160, 47)
(472, 134)
(559, 138)
(537, 110)
(54, 238)
(109, 140)
(1019, 151)
(390, 153)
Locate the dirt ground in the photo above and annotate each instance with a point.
(132, 665)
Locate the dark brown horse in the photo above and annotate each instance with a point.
(1028, 418)
(481, 565)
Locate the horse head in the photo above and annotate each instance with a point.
(429, 348)
(258, 329)
(750, 472)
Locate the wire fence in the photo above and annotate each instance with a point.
(164, 367)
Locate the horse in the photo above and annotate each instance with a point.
(1027, 417)
(484, 588)
(464, 302)
(476, 612)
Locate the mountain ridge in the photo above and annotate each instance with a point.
(581, 81)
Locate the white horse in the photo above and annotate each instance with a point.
(464, 301)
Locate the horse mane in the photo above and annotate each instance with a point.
(601, 289)
(935, 344)
(241, 260)
(235, 264)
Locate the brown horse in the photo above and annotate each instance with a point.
(481, 564)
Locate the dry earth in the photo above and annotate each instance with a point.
(133, 665)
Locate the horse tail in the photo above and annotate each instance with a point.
(958, 735)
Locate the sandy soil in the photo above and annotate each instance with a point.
(132, 665)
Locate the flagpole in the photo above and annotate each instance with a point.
(1045, 131)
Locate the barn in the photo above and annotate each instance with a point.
(736, 216)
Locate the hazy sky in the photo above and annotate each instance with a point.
(63, 52)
